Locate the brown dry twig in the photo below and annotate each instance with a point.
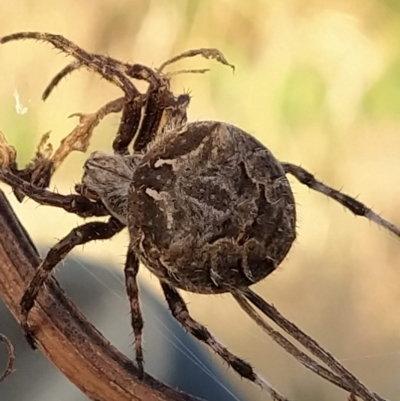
(79, 138)
(8, 154)
(40, 170)
(11, 357)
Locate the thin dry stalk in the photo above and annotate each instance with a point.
(11, 357)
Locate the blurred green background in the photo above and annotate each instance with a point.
(318, 82)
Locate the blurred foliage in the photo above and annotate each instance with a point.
(383, 101)
(303, 96)
(319, 83)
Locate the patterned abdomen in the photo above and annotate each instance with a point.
(210, 209)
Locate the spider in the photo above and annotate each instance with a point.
(209, 209)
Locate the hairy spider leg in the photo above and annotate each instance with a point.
(78, 236)
(304, 359)
(117, 72)
(76, 204)
(180, 312)
(204, 52)
(154, 109)
(129, 124)
(130, 120)
(160, 99)
(141, 130)
(163, 111)
(156, 102)
(57, 78)
(305, 340)
(132, 289)
(355, 206)
(112, 70)
(131, 114)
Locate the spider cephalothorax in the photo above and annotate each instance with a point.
(209, 208)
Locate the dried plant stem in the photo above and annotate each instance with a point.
(11, 357)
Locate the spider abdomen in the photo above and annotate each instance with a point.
(210, 209)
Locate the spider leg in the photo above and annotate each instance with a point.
(119, 73)
(109, 68)
(158, 99)
(128, 129)
(61, 75)
(73, 203)
(137, 71)
(276, 336)
(131, 111)
(152, 116)
(308, 343)
(163, 111)
(358, 208)
(104, 66)
(78, 236)
(181, 314)
(192, 71)
(112, 70)
(205, 52)
(154, 110)
(129, 125)
(132, 289)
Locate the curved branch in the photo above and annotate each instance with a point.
(63, 334)
(11, 357)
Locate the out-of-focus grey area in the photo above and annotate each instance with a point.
(171, 355)
(318, 82)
